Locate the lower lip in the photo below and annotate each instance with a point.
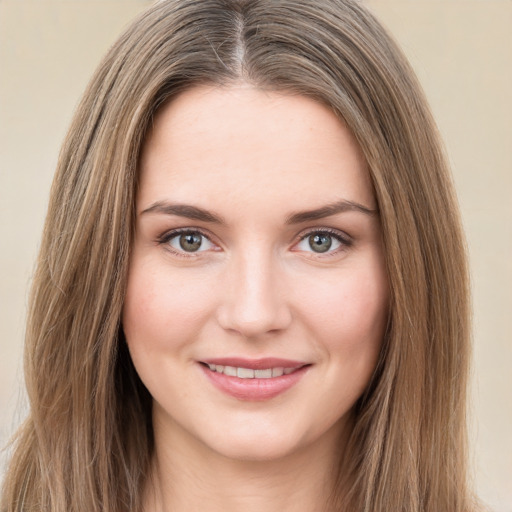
(254, 389)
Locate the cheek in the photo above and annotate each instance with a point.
(348, 316)
(163, 308)
(355, 303)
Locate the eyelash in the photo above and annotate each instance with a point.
(166, 237)
(344, 240)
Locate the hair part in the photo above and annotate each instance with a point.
(87, 442)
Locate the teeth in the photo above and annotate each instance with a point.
(277, 372)
(245, 373)
(249, 373)
(229, 370)
(263, 374)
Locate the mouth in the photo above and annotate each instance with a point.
(250, 373)
(254, 380)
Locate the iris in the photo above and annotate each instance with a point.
(320, 242)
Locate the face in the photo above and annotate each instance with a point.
(257, 295)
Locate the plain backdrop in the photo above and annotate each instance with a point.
(462, 52)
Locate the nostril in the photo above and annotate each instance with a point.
(254, 322)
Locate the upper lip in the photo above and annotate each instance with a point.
(255, 364)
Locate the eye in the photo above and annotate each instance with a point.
(323, 242)
(188, 241)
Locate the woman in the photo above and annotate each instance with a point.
(252, 289)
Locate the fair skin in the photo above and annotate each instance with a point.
(294, 303)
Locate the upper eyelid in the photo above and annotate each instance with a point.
(331, 231)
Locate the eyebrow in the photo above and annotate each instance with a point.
(328, 210)
(196, 213)
(184, 210)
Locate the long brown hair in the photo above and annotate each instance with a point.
(87, 442)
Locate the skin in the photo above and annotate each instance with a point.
(255, 288)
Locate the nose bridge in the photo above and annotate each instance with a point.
(254, 302)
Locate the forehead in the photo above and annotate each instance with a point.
(243, 144)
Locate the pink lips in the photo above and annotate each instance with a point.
(255, 389)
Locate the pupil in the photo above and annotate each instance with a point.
(320, 243)
(190, 242)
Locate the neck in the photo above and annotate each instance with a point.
(186, 475)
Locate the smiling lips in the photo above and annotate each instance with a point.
(257, 380)
(249, 373)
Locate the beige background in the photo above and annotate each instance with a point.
(462, 52)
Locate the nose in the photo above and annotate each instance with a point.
(254, 299)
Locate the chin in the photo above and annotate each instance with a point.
(266, 442)
(262, 448)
